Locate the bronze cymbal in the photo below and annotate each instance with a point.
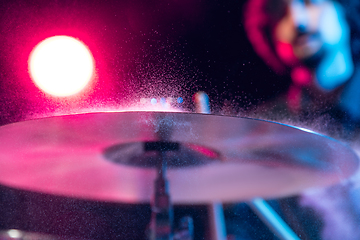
(219, 158)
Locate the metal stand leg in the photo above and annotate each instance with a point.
(217, 222)
(216, 212)
(186, 229)
(161, 225)
(162, 212)
(271, 219)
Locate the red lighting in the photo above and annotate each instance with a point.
(205, 151)
(61, 66)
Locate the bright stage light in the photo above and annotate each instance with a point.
(61, 65)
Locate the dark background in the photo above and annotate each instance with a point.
(141, 49)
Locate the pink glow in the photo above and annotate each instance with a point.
(255, 23)
(204, 150)
(294, 98)
(301, 76)
(286, 53)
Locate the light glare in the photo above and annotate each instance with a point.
(61, 65)
(13, 233)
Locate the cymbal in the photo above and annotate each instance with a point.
(230, 159)
(15, 234)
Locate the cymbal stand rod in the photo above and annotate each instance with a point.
(272, 220)
(216, 217)
(162, 212)
(217, 227)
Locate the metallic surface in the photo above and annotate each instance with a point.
(15, 234)
(64, 156)
(135, 154)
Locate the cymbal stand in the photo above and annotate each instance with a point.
(272, 220)
(217, 227)
(264, 211)
(186, 229)
(162, 212)
(161, 224)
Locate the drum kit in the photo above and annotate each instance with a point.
(168, 158)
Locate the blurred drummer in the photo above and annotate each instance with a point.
(315, 43)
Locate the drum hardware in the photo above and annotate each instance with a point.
(272, 220)
(161, 227)
(186, 229)
(216, 218)
(215, 209)
(16, 234)
(238, 159)
(258, 205)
